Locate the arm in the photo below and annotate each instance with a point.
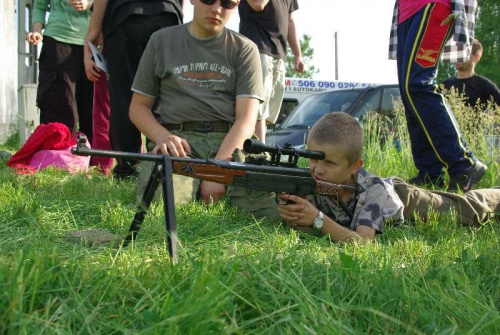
(293, 40)
(302, 213)
(40, 10)
(97, 16)
(35, 35)
(165, 143)
(243, 128)
(258, 5)
(169, 144)
(95, 36)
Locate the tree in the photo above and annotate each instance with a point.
(486, 31)
(446, 70)
(307, 55)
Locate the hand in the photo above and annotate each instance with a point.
(296, 210)
(80, 4)
(172, 145)
(92, 71)
(211, 192)
(34, 37)
(298, 65)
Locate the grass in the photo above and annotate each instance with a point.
(236, 274)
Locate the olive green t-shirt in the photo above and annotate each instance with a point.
(198, 79)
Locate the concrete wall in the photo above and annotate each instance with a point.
(8, 69)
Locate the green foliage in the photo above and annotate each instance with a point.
(445, 71)
(12, 142)
(307, 56)
(480, 125)
(486, 31)
(236, 274)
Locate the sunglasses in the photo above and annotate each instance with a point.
(226, 4)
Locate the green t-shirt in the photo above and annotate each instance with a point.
(198, 79)
(64, 23)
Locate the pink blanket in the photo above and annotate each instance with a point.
(49, 145)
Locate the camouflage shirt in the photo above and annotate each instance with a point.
(374, 202)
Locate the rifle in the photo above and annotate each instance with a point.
(279, 174)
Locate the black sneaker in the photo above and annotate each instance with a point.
(427, 180)
(467, 179)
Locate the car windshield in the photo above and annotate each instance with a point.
(314, 107)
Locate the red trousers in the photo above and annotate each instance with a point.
(100, 115)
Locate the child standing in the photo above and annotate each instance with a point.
(64, 92)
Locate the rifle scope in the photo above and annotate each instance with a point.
(256, 147)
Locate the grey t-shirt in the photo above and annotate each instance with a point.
(374, 202)
(198, 80)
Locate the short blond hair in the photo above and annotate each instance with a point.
(340, 130)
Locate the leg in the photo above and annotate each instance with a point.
(267, 76)
(100, 130)
(185, 188)
(84, 100)
(57, 84)
(472, 208)
(434, 133)
(258, 203)
(124, 48)
(278, 89)
(206, 145)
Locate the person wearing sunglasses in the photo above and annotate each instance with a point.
(121, 29)
(208, 81)
(270, 24)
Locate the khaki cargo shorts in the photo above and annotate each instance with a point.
(273, 73)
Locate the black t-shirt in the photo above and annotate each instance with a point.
(475, 88)
(118, 10)
(269, 27)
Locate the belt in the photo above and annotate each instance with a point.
(200, 126)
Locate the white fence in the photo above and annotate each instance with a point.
(18, 70)
(8, 70)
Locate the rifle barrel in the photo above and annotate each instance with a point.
(258, 177)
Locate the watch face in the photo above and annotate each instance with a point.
(318, 222)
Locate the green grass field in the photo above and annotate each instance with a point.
(236, 274)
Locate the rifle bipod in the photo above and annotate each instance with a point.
(162, 172)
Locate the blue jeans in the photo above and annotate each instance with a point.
(434, 133)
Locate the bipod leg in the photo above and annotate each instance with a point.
(142, 208)
(169, 207)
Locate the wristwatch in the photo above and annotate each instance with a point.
(318, 221)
